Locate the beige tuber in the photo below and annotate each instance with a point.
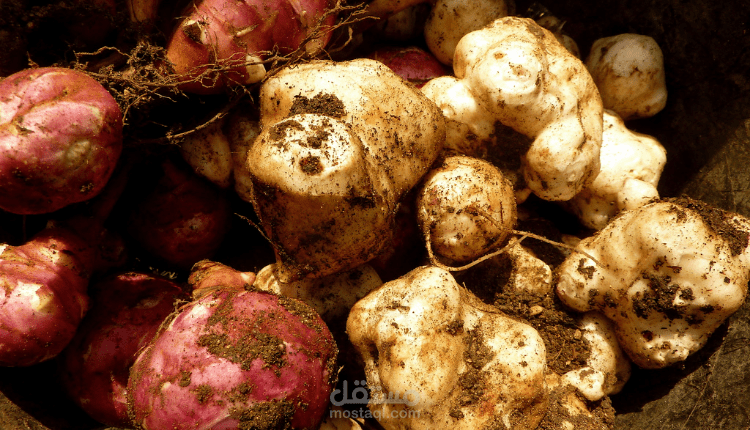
(465, 208)
(334, 157)
(666, 274)
(631, 165)
(460, 363)
(450, 20)
(629, 71)
(516, 73)
(331, 296)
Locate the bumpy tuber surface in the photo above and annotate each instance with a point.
(60, 139)
(235, 359)
(631, 165)
(629, 71)
(334, 158)
(44, 298)
(465, 208)
(667, 275)
(607, 369)
(127, 310)
(224, 43)
(516, 73)
(460, 363)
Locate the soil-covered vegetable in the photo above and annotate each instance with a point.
(126, 312)
(666, 274)
(222, 43)
(333, 161)
(235, 359)
(703, 128)
(466, 208)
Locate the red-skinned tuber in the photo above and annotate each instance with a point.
(44, 295)
(223, 43)
(235, 359)
(60, 139)
(183, 220)
(127, 310)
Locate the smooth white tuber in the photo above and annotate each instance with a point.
(629, 71)
(465, 208)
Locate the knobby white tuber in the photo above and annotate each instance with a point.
(334, 158)
(667, 274)
(209, 153)
(515, 72)
(458, 362)
(629, 71)
(631, 165)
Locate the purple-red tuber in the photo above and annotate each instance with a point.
(60, 139)
(235, 359)
(127, 310)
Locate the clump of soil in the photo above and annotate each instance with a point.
(559, 328)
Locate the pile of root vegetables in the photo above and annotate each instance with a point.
(338, 214)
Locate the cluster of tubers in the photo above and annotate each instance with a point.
(331, 155)
(646, 284)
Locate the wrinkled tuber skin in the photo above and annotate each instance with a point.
(127, 310)
(668, 274)
(44, 297)
(238, 35)
(412, 63)
(235, 359)
(60, 139)
(629, 71)
(631, 165)
(331, 296)
(333, 160)
(515, 72)
(466, 207)
(182, 220)
(450, 20)
(460, 363)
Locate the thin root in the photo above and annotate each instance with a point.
(512, 242)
